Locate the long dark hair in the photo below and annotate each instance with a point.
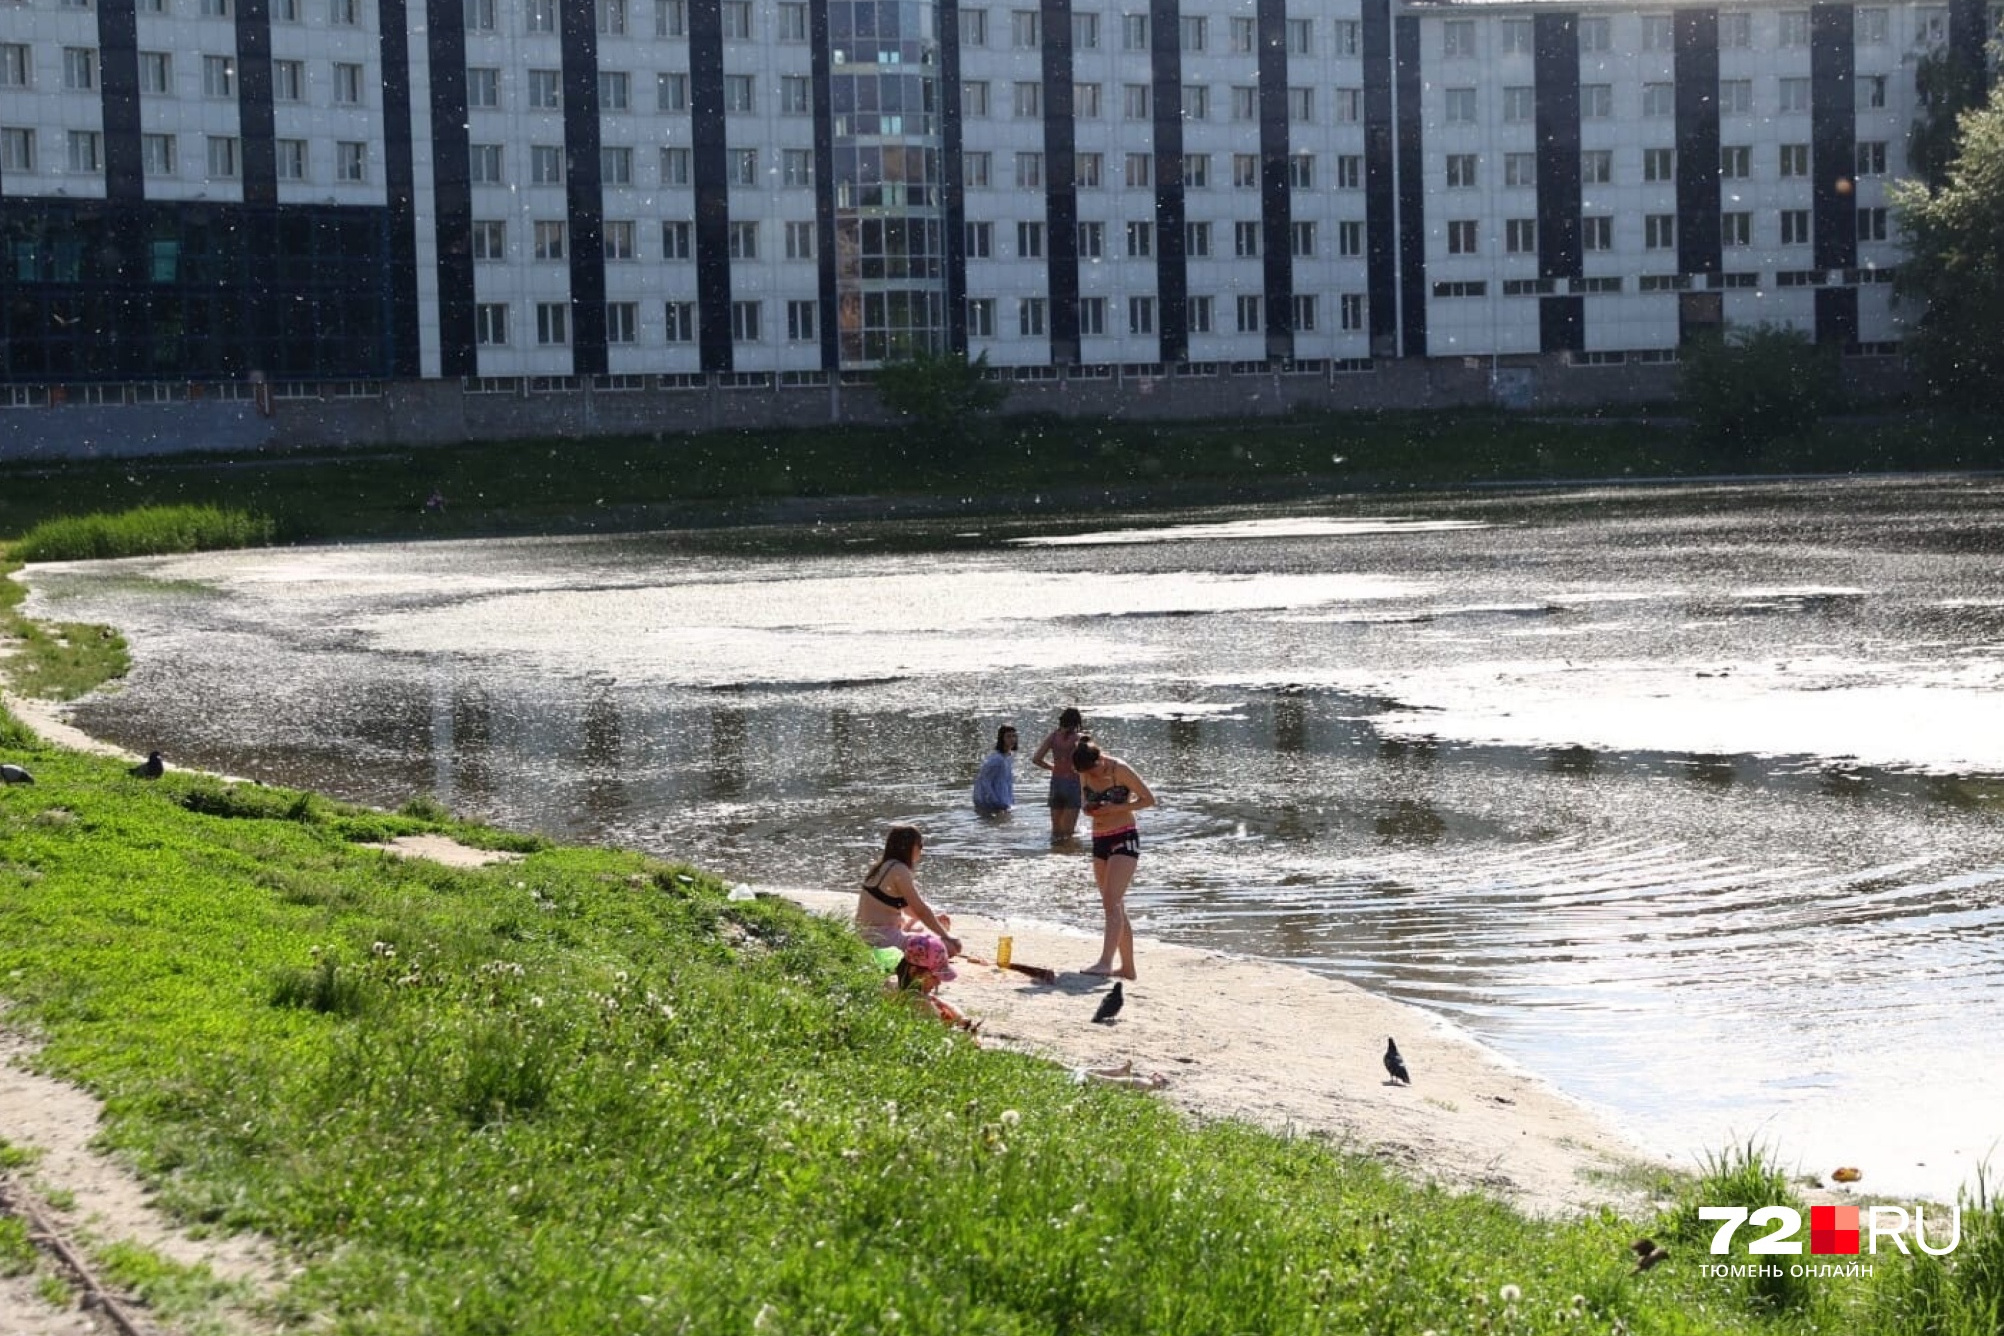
(1070, 717)
(900, 843)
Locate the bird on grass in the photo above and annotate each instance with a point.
(150, 768)
(14, 774)
(1648, 1252)
(1395, 1064)
(1109, 1006)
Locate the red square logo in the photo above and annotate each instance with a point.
(1833, 1229)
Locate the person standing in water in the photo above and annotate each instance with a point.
(1054, 754)
(1113, 793)
(995, 786)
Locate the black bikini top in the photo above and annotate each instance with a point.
(877, 893)
(1115, 793)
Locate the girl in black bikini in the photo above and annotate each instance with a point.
(890, 895)
(1113, 793)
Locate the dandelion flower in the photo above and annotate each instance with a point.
(1510, 1294)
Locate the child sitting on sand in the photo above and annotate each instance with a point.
(924, 967)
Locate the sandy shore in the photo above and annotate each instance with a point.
(1294, 1052)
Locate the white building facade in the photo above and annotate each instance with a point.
(681, 189)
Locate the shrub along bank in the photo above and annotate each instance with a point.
(586, 1092)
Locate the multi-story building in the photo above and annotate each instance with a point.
(400, 190)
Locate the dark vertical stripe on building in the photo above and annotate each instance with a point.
(710, 168)
(1556, 45)
(451, 186)
(955, 179)
(1837, 316)
(1061, 195)
(1381, 221)
(1276, 205)
(1172, 261)
(1410, 113)
(1833, 137)
(118, 81)
(256, 124)
(400, 187)
(1561, 324)
(584, 188)
(1697, 75)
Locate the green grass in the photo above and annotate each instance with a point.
(585, 1092)
(998, 465)
(142, 531)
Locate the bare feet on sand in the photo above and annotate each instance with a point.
(1108, 972)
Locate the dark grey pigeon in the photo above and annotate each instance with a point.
(1395, 1064)
(150, 768)
(14, 774)
(1109, 1006)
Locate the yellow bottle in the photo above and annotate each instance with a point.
(1002, 950)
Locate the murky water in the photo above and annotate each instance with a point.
(1687, 798)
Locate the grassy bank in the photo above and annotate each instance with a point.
(550, 486)
(586, 1092)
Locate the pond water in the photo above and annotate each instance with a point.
(1686, 798)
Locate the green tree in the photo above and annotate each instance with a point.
(940, 389)
(1946, 85)
(1759, 383)
(1954, 265)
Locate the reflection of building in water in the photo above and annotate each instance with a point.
(602, 758)
(728, 773)
(1290, 724)
(470, 721)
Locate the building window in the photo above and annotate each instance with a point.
(800, 321)
(1134, 34)
(1350, 237)
(1139, 171)
(483, 88)
(1736, 29)
(1245, 103)
(1245, 240)
(1301, 171)
(1244, 36)
(1140, 240)
(675, 241)
(799, 241)
(974, 99)
(1520, 236)
(975, 170)
(1872, 91)
(1304, 314)
(1520, 170)
(1135, 102)
(795, 95)
(796, 168)
(347, 84)
(291, 155)
(490, 324)
(1028, 101)
(1461, 238)
(744, 167)
(981, 317)
(219, 76)
(550, 241)
(1736, 229)
(740, 94)
(679, 320)
(1350, 172)
(1795, 160)
(344, 13)
(737, 16)
(1088, 171)
(981, 241)
(671, 92)
(490, 241)
(1659, 231)
(1871, 224)
(1193, 30)
(351, 162)
(1197, 240)
(546, 165)
(1461, 106)
(1301, 237)
(1249, 321)
(1196, 102)
(1795, 27)
(480, 16)
(156, 153)
(1595, 36)
(1245, 171)
(743, 241)
(1795, 227)
(1140, 315)
(1517, 37)
(1030, 317)
(1461, 171)
(1029, 171)
(80, 68)
(674, 166)
(542, 15)
(1597, 232)
(619, 242)
(1871, 157)
(1596, 102)
(1092, 241)
(1085, 31)
(1795, 95)
(1029, 241)
(1352, 308)
(615, 91)
(1658, 33)
(553, 324)
(1197, 310)
(1872, 27)
(1736, 162)
(1520, 105)
(1659, 99)
(218, 9)
(1457, 37)
(484, 164)
(156, 73)
(1197, 171)
(1026, 30)
(1597, 167)
(611, 16)
(1299, 37)
(1659, 164)
(615, 166)
(225, 161)
(671, 18)
(973, 27)
(622, 322)
(745, 322)
(1736, 97)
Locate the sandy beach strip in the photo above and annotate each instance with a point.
(1298, 1054)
